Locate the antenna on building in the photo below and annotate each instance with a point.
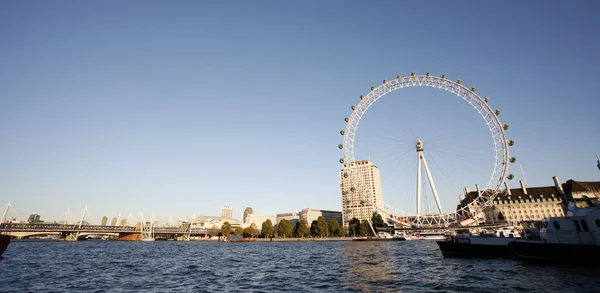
(523, 174)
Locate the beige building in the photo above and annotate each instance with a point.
(536, 203)
(104, 221)
(247, 212)
(360, 184)
(292, 217)
(258, 219)
(227, 212)
(311, 215)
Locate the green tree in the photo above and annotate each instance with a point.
(267, 228)
(364, 229)
(301, 229)
(322, 226)
(226, 229)
(251, 231)
(377, 220)
(214, 231)
(314, 228)
(238, 231)
(354, 227)
(335, 229)
(284, 228)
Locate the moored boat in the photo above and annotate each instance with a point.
(4, 242)
(476, 246)
(571, 239)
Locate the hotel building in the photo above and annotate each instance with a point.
(360, 184)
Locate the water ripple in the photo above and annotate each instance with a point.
(336, 266)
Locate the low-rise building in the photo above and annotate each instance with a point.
(311, 215)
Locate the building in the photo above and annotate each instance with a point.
(360, 184)
(227, 212)
(104, 220)
(258, 219)
(536, 203)
(247, 212)
(293, 218)
(34, 218)
(311, 215)
(124, 223)
(114, 221)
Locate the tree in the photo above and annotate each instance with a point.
(335, 229)
(322, 226)
(267, 228)
(238, 231)
(354, 227)
(377, 220)
(301, 229)
(284, 228)
(214, 231)
(251, 231)
(364, 228)
(226, 229)
(314, 228)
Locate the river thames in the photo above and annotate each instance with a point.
(332, 266)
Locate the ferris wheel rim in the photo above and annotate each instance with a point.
(490, 116)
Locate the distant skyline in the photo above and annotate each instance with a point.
(183, 108)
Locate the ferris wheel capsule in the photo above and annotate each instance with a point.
(340, 146)
(341, 161)
(443, 76)
(510, 176)
(372, 88)
(346, 119)
(412, 74)
(353, 107)
(384, 81)
(458, 81)
(511, 142)
(512, 159)
(497, 112)
(342, 132)
(505, 126)
(345, 174)
(473, 89)
(398, 76)
(362, 97)
(353, 189)
(428, 74)
(485, 100)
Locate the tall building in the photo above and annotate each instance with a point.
(247, 212)
(104, 220)
(227, 212)
(124, 223)
(114, 221)
(360, 184)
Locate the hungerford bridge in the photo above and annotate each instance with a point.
(144, 231)
(73, 231)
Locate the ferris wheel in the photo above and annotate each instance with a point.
(461, 216)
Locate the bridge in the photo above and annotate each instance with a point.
(72, 231)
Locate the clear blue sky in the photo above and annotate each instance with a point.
(182, 107)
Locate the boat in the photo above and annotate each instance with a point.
(426, 236)
(381, 236)
(4, 242)
(571, 239)
(484, 245)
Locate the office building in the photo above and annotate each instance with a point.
(104, 220)
(227, 212)
(360, 184)
(247, 212)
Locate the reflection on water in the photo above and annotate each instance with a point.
(368, 266)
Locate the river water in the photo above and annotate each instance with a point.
(332, 266)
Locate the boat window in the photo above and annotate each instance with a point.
(577, 227)
(584, 226)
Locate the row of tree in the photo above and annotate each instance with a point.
(318, 228)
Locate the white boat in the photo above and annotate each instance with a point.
(426, 236)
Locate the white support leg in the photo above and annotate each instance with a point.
(418, 184)
(430, 178)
